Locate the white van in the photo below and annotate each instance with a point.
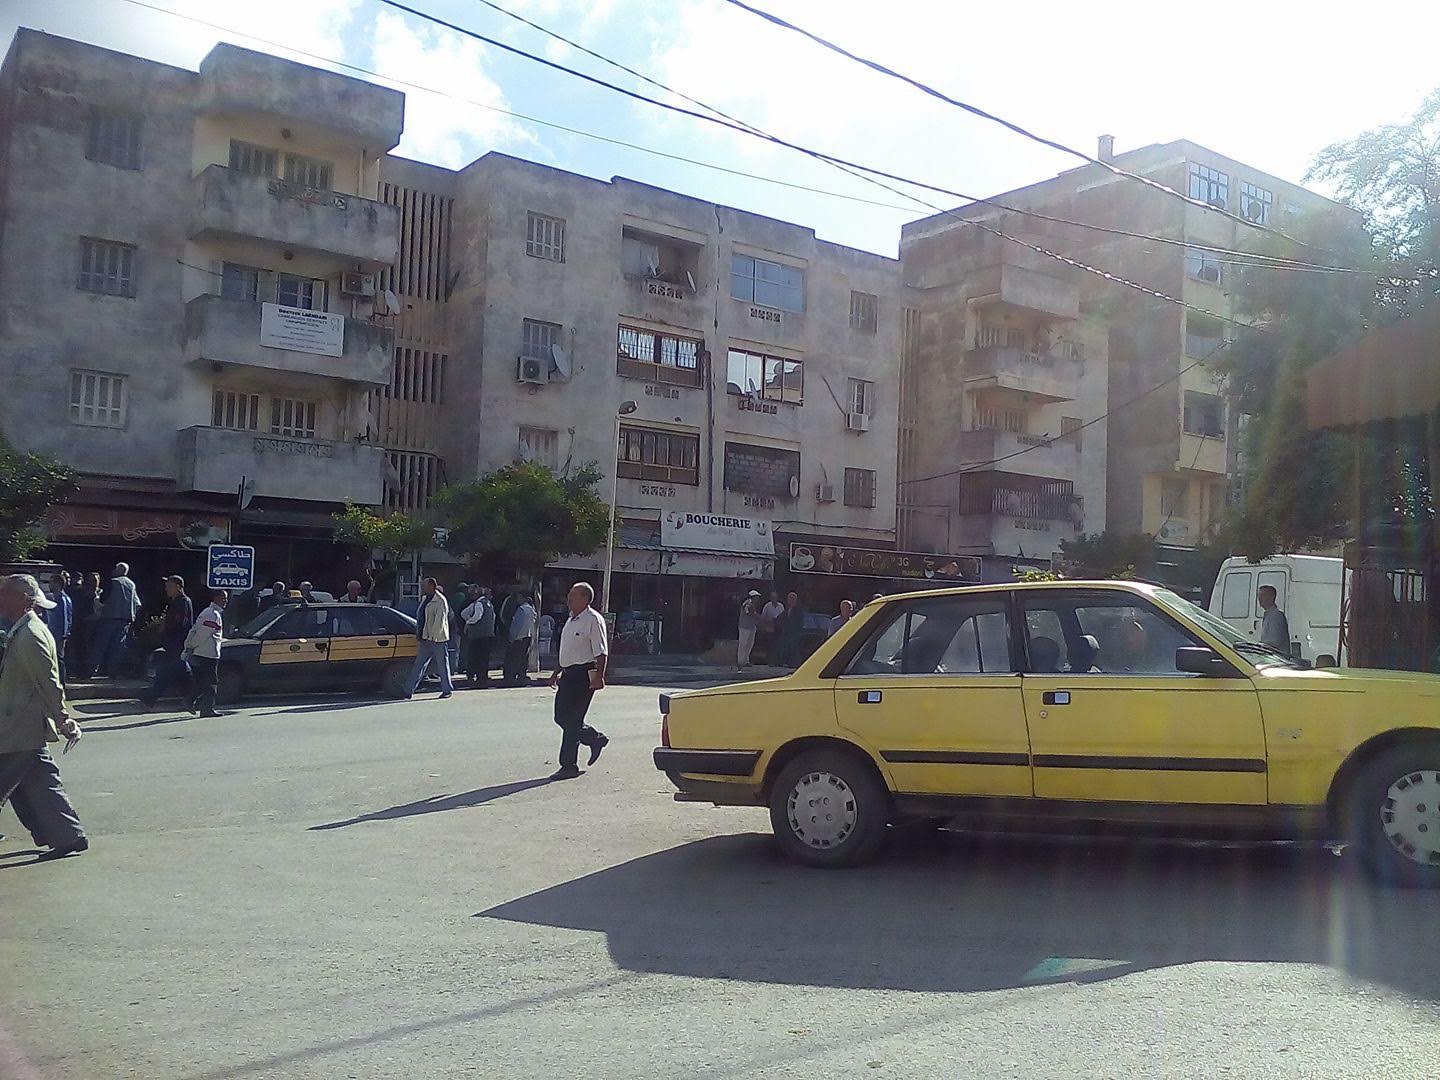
(1307, 590)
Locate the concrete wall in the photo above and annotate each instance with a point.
(214, 460)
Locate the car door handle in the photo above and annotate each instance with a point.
(382, 643)
(869, 697)
(321, 646)
(1056, 697)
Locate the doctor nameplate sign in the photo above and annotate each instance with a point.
(731, 533)
(301, 330)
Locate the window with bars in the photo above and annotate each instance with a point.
(993, 418)
(254, 160)
(769, 284)
(1204, 335)
(862, 396)
(1209, 185)
(97, 399)
(762, 470)
(239, 282)
(1255, 202)
(859, 487)
(294, 417)
(668, 358)
(307, 172)
(538, 339)
(113, 138)
(1204, 415)
(300, 292)
(412, 480)
(545, 237)
(541, 445)
(106, 266)
(237, 410)
(649, 454)
(769, 378)
(1072, 428)
(864, 312)
(1204, 266)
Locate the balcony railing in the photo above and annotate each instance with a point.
(1015, 495)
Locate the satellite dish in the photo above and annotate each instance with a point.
(1255, 211)
(691, 279)
(392, 302)
(561, 356)
(794, 487)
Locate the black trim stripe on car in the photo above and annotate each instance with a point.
(710, 762)
(1156, 764)
(953, 757)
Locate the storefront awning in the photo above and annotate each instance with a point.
(657, 561)
(1389, 374)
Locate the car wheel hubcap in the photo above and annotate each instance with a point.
(822, 810)
(1410, 816)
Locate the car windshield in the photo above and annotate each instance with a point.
(260, 623)
(1259, 654)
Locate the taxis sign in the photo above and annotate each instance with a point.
(230, 566)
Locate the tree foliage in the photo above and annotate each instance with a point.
(526, 515)
(1108, 555)
(396, 534)
(30, 484)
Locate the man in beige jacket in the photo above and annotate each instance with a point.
(33, 713)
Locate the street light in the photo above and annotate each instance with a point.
(626, 408)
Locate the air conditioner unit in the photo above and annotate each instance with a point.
(1210, 274)
(529, 369)
(354, 283)
(857, 421)
(825, 493)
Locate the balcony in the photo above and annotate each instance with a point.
(1031, 455)
(1023, 291)
(1047, 376)
(235, 205)
(1012, 512)
(214, 460)
(220, 331)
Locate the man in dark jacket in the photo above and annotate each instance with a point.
(171, 668)
(61, 619)
(113, 621)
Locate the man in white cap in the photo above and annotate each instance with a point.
(749, 623)
(32, 713)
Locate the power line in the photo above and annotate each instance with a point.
(982, 113)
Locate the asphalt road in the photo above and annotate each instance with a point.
(393, 890)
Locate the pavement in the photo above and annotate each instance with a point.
(311, 888)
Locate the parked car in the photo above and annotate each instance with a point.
(1066, 702)
(1307, 590)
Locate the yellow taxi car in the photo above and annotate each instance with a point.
(1074, 702)
(319, 646)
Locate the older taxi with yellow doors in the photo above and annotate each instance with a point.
(319, 646)
(1068, 701)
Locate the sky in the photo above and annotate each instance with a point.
(1269, 82)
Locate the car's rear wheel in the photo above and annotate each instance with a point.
(229, 684)
(829, 808)
(1392, 815)
(396, 680)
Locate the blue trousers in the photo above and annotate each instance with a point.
(107, 646)
(425, 653)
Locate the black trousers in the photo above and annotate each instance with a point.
(572, 702)
(205, 673)
(517, 660)
(477, 659)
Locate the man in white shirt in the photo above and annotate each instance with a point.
(202, 646)
(579, 672)
(517, 650)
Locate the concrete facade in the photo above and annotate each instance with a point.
(1168, 456)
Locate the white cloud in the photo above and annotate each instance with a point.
(442, 130)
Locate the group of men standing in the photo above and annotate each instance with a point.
(191, 647)
(463, 638)
(90, 625)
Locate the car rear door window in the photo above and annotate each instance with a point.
(956, 635)
(1101, 635)
(304, 622)
(356, 622)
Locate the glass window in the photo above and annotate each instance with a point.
(1276, 580)
(239, 282)
(113, 139)
(768, 284)
(299, 292)
(106, 267)
(1209, 185)
(680, 356)
(649, 454)
(541, 445)
(97, 399)
(1174, 497)
(294, 417)
(253, 160)
(864, 312)
(538, 339)
(862, 395)
(307, 172)
(356, 622)
(771, 378)
(545, 237)
(955, 635)
(304, 622)
(1204, 335)
(1236, 596)
(1204, 266)
(1204, 415)
(1100, 634)
(235, 409)
(859, 487)
(1255, 203)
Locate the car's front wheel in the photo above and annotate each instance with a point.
(396, 680)
(829, 808)
(1392, 815)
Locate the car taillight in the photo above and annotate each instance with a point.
(665, 731)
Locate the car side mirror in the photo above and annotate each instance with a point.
(1198, 660)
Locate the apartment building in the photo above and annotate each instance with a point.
(1168, 457)
(738, 373)
(188, 297)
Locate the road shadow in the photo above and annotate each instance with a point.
(968, 913)
(152, 721)
(439, 803)
(331, 706)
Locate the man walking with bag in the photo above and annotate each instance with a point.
(179, 617)
(33, 712)
(433, 638)
(579, 672)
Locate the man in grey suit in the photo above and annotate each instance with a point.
(32, 713)
(112, 622)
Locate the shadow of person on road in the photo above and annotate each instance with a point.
(983, 913)
(439, 803)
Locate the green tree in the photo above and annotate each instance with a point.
(30, 484)
(1109, 555)
(526, 515)
(396, 534)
